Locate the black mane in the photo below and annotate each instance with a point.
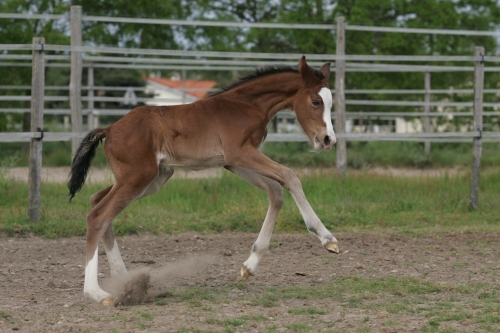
(261, 72)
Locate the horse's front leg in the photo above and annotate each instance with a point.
(250, 158)
(313, 223)
(275, 195)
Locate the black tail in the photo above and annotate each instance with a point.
(82, 160)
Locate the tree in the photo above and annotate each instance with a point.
(14, 31)
(432, 14)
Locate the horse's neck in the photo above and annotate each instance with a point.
(271, 94)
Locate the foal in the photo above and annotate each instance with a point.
(223, 130)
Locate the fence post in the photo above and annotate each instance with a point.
(35, 161)
(183, 78)
(427, 109)
(90, 94)
(340, 97)
(478, 126)
(75, 84)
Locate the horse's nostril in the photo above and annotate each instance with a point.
(327, 140)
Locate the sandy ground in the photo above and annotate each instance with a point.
(41, 282)
(96, 175)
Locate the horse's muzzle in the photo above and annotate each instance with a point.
(327, 142)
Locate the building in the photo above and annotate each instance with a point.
(175, 91)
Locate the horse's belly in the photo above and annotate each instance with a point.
(196, 164)
(212, 162)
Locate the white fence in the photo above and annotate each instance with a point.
(80, 57)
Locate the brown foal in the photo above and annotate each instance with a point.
(223, 130)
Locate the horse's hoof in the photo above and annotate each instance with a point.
(108, 301)
(245, 273)
(332, 247)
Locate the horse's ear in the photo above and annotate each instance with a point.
(306, 72)
(325, 70)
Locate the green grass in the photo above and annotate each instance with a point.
(307, 311)
(359, 154)
(54, 154)
(396, 154)
(359, 202)
(299, 328)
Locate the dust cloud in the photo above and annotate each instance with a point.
(144, 284)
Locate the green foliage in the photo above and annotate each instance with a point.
(54, 154)
(134, 35)
(16, 31)
(460, 14)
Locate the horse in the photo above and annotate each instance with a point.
(224, 129)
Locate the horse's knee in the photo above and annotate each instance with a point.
(290, 180)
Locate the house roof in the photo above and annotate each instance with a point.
(177, 84)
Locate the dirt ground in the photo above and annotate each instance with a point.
(104, 175)
(41, 281)
(96, 175)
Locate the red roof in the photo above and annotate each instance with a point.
(177, 84)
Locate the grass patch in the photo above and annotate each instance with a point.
(193, 296)
(229, 324)
(360, 202)
(299, 328)
(307, 311)
(437, 305)
(273, 246)
(238, 285)
(145, 315)
(267, 300)
(362, 155)
(358, 289)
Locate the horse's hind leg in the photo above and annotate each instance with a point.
(275, 194)
(115, 260)
(113, 254)
(98, 221)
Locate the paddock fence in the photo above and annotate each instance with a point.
(78, 57)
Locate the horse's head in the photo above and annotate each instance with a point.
(313, 104)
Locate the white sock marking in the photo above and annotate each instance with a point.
(253, 261)
(115, 261)
(91, 286)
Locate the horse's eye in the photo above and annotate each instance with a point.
(315, 102)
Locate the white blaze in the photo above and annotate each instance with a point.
(326, 94)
